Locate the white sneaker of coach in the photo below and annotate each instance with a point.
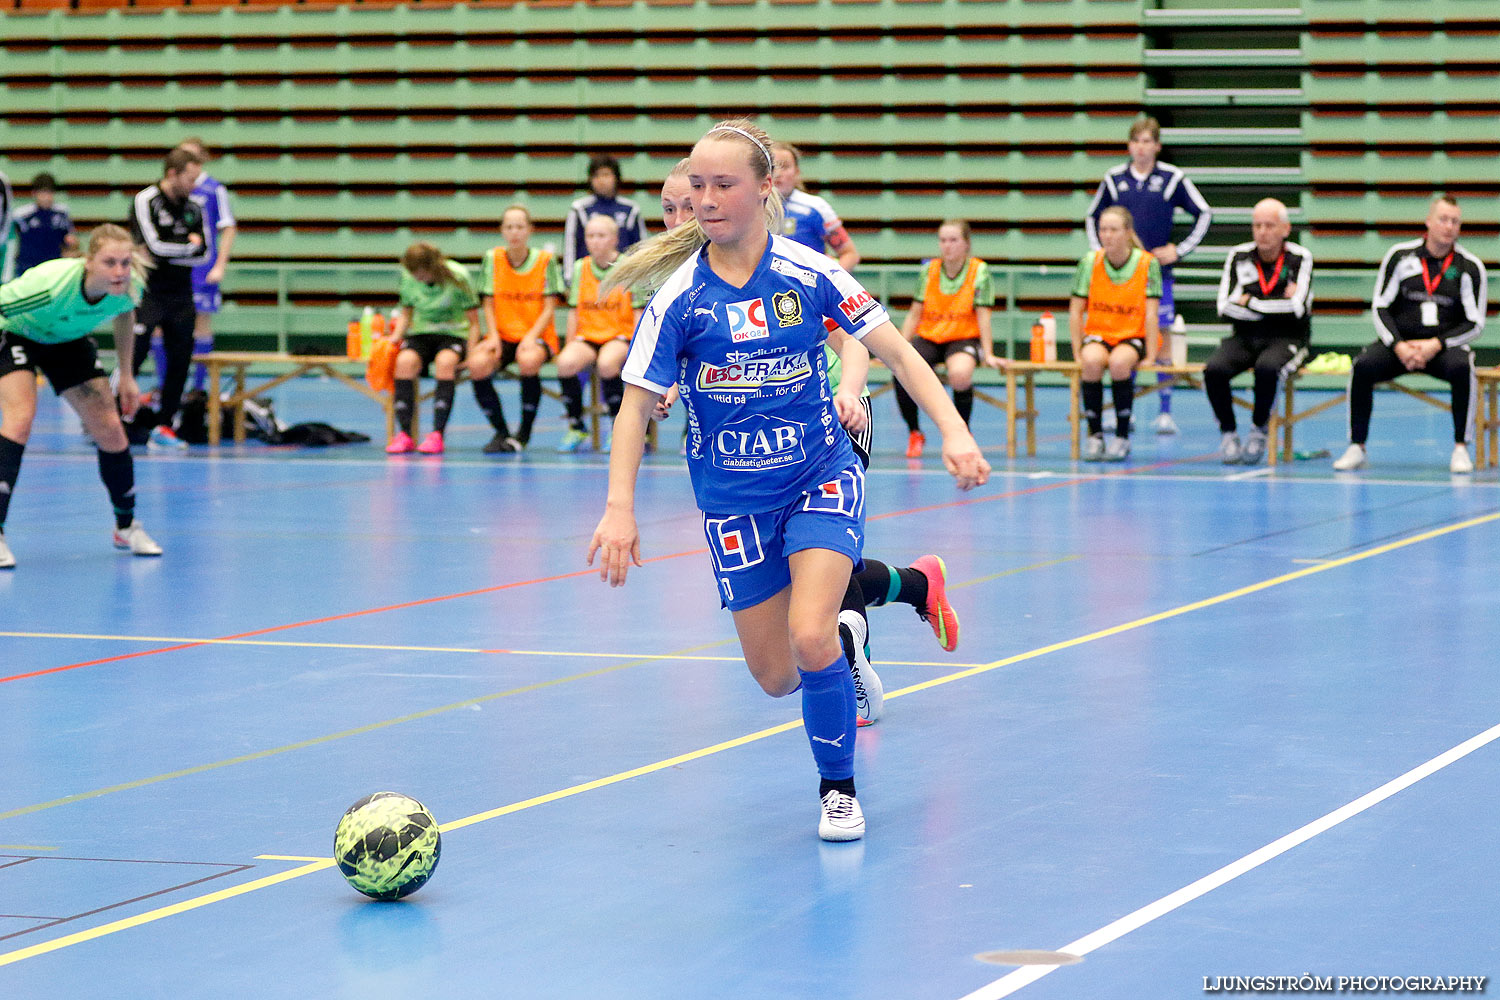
(1352, 458)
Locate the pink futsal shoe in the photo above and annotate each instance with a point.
(400, 444)
(432, 444)
(938, 613)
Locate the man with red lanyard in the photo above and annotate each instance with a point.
(1429, 306)
(1266, 294)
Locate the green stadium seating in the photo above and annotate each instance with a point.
(1420, 46)
(669, 131)
(629, 56)
(1428, 169)
(1358, 87)
(568, 94)
(1375, 12)
(348, 130)
(400, 20)
(1389, 208)
(1374, 128)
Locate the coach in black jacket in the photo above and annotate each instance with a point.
(1429, 305)
(169, 225)
(1266, 294)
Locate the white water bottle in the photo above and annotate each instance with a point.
(1049, 337)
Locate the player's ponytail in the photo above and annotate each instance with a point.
(141, 262)
(426, 257)
(649, 264)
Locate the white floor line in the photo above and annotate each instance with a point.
(1008, 984)
(1264, 470)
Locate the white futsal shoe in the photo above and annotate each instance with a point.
(1353, 458)
(869, 693)
(1255, 446)
(1460, 463)
(1164, 424)
(1118, 449)
(842, 818)
(135, 540)
(1093, 448)
(1229, 448)
(7, 561)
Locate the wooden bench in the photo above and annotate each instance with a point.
(1487, 422)
(1025, 373)
(295, 365)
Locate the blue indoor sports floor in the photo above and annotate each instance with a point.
(1166, 668)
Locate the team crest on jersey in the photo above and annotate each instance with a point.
(743, 373)
(788, 306)
(747, 320)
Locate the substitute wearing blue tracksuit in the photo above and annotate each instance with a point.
(1152, 192)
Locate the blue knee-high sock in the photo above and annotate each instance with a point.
(1164, 391)
(828, 714)
(200, 370)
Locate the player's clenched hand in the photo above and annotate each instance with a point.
(851, 413)
(963, 460)
(619, 545)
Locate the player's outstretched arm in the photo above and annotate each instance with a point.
(616, 538)
(961, 454)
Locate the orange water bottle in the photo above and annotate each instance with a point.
(351, 341)
(1038, 348)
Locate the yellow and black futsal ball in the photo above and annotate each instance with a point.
(387, 845)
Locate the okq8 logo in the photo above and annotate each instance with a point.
(747, 321)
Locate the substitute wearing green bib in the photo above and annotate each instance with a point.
(46, 318)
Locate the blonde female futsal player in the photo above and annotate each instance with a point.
(46, 316)
(738, 324)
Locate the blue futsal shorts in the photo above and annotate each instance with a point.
(750, 551)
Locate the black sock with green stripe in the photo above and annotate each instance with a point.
(883, 584)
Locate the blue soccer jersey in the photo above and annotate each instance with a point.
(808, 219)
(1152, 201)
(750, 366)
(217, 215)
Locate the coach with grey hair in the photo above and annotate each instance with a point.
(1266, 294)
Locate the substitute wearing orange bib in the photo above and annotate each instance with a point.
(1112, 317)
(601, 322)
(519, 295)
(949, 324)
(947, 318)
(1117, 312)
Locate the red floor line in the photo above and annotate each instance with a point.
(568, 576)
